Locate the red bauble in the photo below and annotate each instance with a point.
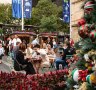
(93, 35)
(83, 31)
(83, 79)
(81, 22)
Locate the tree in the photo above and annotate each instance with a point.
(47, 15)
(49, 23)
(86, 46)
(5, 13)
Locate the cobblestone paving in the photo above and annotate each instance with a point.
(6, 65)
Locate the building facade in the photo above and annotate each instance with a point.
(5, 1)
(76, 14)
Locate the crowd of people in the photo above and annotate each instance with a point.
(23, 53)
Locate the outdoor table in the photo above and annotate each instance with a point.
(51, 59)
(36, 63)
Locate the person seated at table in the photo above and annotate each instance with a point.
(20, 58)
(29, 51)
(61, 57)
(43, 44)
(50, 50)
(45, 59)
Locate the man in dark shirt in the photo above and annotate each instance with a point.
(62, 59)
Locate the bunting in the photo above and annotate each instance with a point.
(66, 11)
(17, 8)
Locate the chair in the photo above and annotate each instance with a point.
(52, 62)
(46, 66)
(69, 56)
(18, 66)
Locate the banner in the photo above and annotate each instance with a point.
(27, 8)
(66, 11)
(17, 8)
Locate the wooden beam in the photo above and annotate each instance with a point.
(12, 25)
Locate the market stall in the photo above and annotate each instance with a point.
(23, 35)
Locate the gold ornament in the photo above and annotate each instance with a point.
(93, 78)
(83, 86)
(86, 65)
(89, 68)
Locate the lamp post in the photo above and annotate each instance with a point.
(22, 16)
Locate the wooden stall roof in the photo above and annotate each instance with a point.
(23, 33)
(12, 25)
(46, 34)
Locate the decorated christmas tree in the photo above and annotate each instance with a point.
(83, 75)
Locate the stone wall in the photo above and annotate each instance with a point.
(74, 34)
(76, 14)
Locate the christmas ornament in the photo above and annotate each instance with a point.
(76, 87)
(87, 17)
(86, 57)
(82, 75)
(90, 27)
(89, 6)
(88, 79)
(93, 35)
(83, 86)
(86, 64)
(83, 31)
(91, 78)
(79, 75)
(81, 22)
(75, 75)
(89, 68)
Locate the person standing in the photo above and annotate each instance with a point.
(8, 45)
(15, 40)
(71, 42)
(15, 49)
(1, 53)
(54, 43)
(35, 41)
(6, 48)
(67, 41)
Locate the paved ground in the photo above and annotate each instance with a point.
(7, 66)
(4, 68)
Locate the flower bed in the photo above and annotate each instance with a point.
(46, 81)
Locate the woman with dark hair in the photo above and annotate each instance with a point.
(20, 58)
